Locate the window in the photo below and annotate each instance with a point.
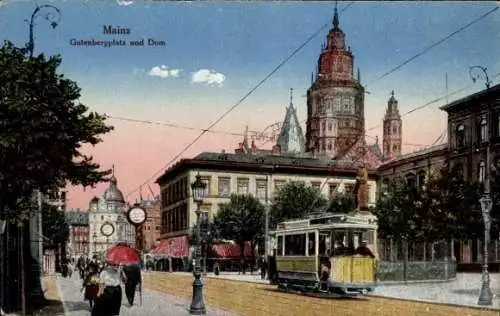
(261, 191)
(421, 179)
(349, 188)
(484, 129)
(223, 186)
(333, 189)
(460, 133)
(323, 126)
(329, 145)
(312, 244)
(385, 185)
(330, 127)
(279, 251)
(278, 184)
(207, 181)
(242, 186)
(316, 185)
(410, 180)
(295, 245)
(394, 147)
(482, 171)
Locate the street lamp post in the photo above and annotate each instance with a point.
(197, 303)
(50, 16)
(485, 296)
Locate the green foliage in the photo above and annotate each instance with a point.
(54, 226)
(209, 233)
(446, 207)
(43, 129)
(452, 206)
(241, 220)
(399, 212)
(295, 199)
(342, 203)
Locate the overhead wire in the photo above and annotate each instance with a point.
(190, 144)
(178, 126)
(434, 45)
(204, 131)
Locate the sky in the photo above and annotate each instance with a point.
(208, 55)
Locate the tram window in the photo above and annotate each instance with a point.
(312, 244)
(295, 245)
(279, 251)
(322, 245)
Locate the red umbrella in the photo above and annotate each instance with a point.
(122, 254)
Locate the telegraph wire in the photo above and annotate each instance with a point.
(204, 131)
(434, 45)
(433, 101)
(172, 125)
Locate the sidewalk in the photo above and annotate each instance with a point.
(463, 291)
(153, 303)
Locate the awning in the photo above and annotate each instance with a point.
(176, 247)
(231, 251)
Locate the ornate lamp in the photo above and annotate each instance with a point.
(197, 302)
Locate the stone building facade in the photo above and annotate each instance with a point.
(472, 122)
(109, 208)
(335, 100)
(79, 241)
(149, 232)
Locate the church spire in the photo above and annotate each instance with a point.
(336, 17)
(291, 97)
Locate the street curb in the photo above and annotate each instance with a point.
(389, 283)
(490, 309)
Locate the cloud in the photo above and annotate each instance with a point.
(124, 2)
(209, 77)
(163, 72)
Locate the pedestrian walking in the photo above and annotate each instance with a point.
(91, 284)
(133, 278)
(109, 300)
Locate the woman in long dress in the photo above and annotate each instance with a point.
(91, 284)
(109, 301)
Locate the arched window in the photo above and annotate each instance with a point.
(410, 179)
(460, 136)
(329, 145)
(484, 129)
(330, 127)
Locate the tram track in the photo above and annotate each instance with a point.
(257, 299)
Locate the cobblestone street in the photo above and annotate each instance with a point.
(153, 303)
(252, 299)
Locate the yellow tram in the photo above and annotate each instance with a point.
(330, 253)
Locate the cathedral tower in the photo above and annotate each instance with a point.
(335, 100)
(393, 134)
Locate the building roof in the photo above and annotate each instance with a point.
(369, 155)
(495, 90)
(291, 139)
(112, 193)
(244, 162)
(75, 218)
(429, 151)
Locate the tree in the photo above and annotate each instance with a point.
(43, 130)
(341, 203)
(54, 226)
(399, 213)
(241, 220)
(295, 199)
(452, 206)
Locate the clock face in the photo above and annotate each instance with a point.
(137, 215)
(107, 229)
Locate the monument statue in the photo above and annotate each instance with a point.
(361, 189)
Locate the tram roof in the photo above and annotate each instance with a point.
(322, 220)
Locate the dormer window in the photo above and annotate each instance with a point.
(460, 136)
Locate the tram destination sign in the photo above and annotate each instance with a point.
(344, 219)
